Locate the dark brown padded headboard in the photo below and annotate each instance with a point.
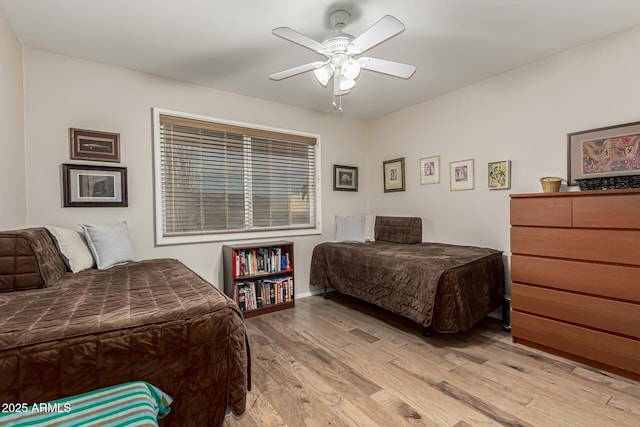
(398, 229)
(28, 259)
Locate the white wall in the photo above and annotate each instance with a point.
(523, 115)
(12, 161)
(63, 92)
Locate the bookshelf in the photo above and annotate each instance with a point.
(259, 277)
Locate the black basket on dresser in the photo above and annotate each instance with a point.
(609, 182)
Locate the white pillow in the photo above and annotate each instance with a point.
(109, 243)
(369, 227)
(349, 229)
(72, 247)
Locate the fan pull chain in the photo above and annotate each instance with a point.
(336, 90)
(337, 105)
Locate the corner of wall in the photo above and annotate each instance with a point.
(12, 128)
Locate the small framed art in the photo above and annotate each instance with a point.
(461, 175)
(94, 186)
(345, 178)
(94, 145)
(393, 175)
(430, 170)
(499, 175)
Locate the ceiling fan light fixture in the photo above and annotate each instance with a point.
(347, 84)
(351, 69)
(324, 74)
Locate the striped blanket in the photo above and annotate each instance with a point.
(131, 404)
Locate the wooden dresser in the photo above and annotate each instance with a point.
(575, 269)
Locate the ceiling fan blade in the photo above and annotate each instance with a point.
(297, 38)
(384, 29)
(296, 70)
(391, 68)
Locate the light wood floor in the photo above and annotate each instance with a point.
(339, 362)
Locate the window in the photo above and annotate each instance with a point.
(218, 180)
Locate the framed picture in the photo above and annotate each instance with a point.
(94, 186)
(430, 170)
(393, 175)
(603, 152)
(94, 145)
(461, 175)
(499, 175)
(345, 178)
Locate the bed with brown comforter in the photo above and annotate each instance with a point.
(444, 287)
(156, 320)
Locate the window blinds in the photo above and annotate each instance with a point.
(220, 178)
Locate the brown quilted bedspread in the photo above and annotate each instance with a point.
(447, 286)
(152, 320)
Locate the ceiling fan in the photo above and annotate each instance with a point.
(341, 50)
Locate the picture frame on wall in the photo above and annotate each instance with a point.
(94, 145)
(345, 178)
(94, 186)
(499, 175)
(603, 152)
(393, 175)
(461, 175)
(430, 170)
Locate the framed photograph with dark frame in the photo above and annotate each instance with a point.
(461, 175)
(393, 175)
(499, 175)
(94, 186)
(604, 152)
(430, 170)
(94, 145)
(345, 178)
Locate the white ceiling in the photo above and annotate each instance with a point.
(229, 46)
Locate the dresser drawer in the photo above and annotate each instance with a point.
(608, 315)
(615, 211)
(549, 212)
(614, 281)
(615, 246)
(613, 350)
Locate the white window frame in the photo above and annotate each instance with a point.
(161, 239)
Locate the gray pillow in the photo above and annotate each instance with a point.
(109, 244)
(349, 229)
(73, 248)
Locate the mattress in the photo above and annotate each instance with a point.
(446, 287)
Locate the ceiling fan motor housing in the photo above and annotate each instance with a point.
(338, 43)
(339, 18)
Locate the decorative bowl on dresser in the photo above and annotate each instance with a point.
(575, 269)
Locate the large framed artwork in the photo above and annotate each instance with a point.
(345, 178)
(461, 175)
(94, 186)
(430, 170)
(393, 175)
(94, 145)
(604, 152)
(499, 175)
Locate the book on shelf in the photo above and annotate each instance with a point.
(251, 262)
(280, 289)
(240, 296)
(257, 294)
